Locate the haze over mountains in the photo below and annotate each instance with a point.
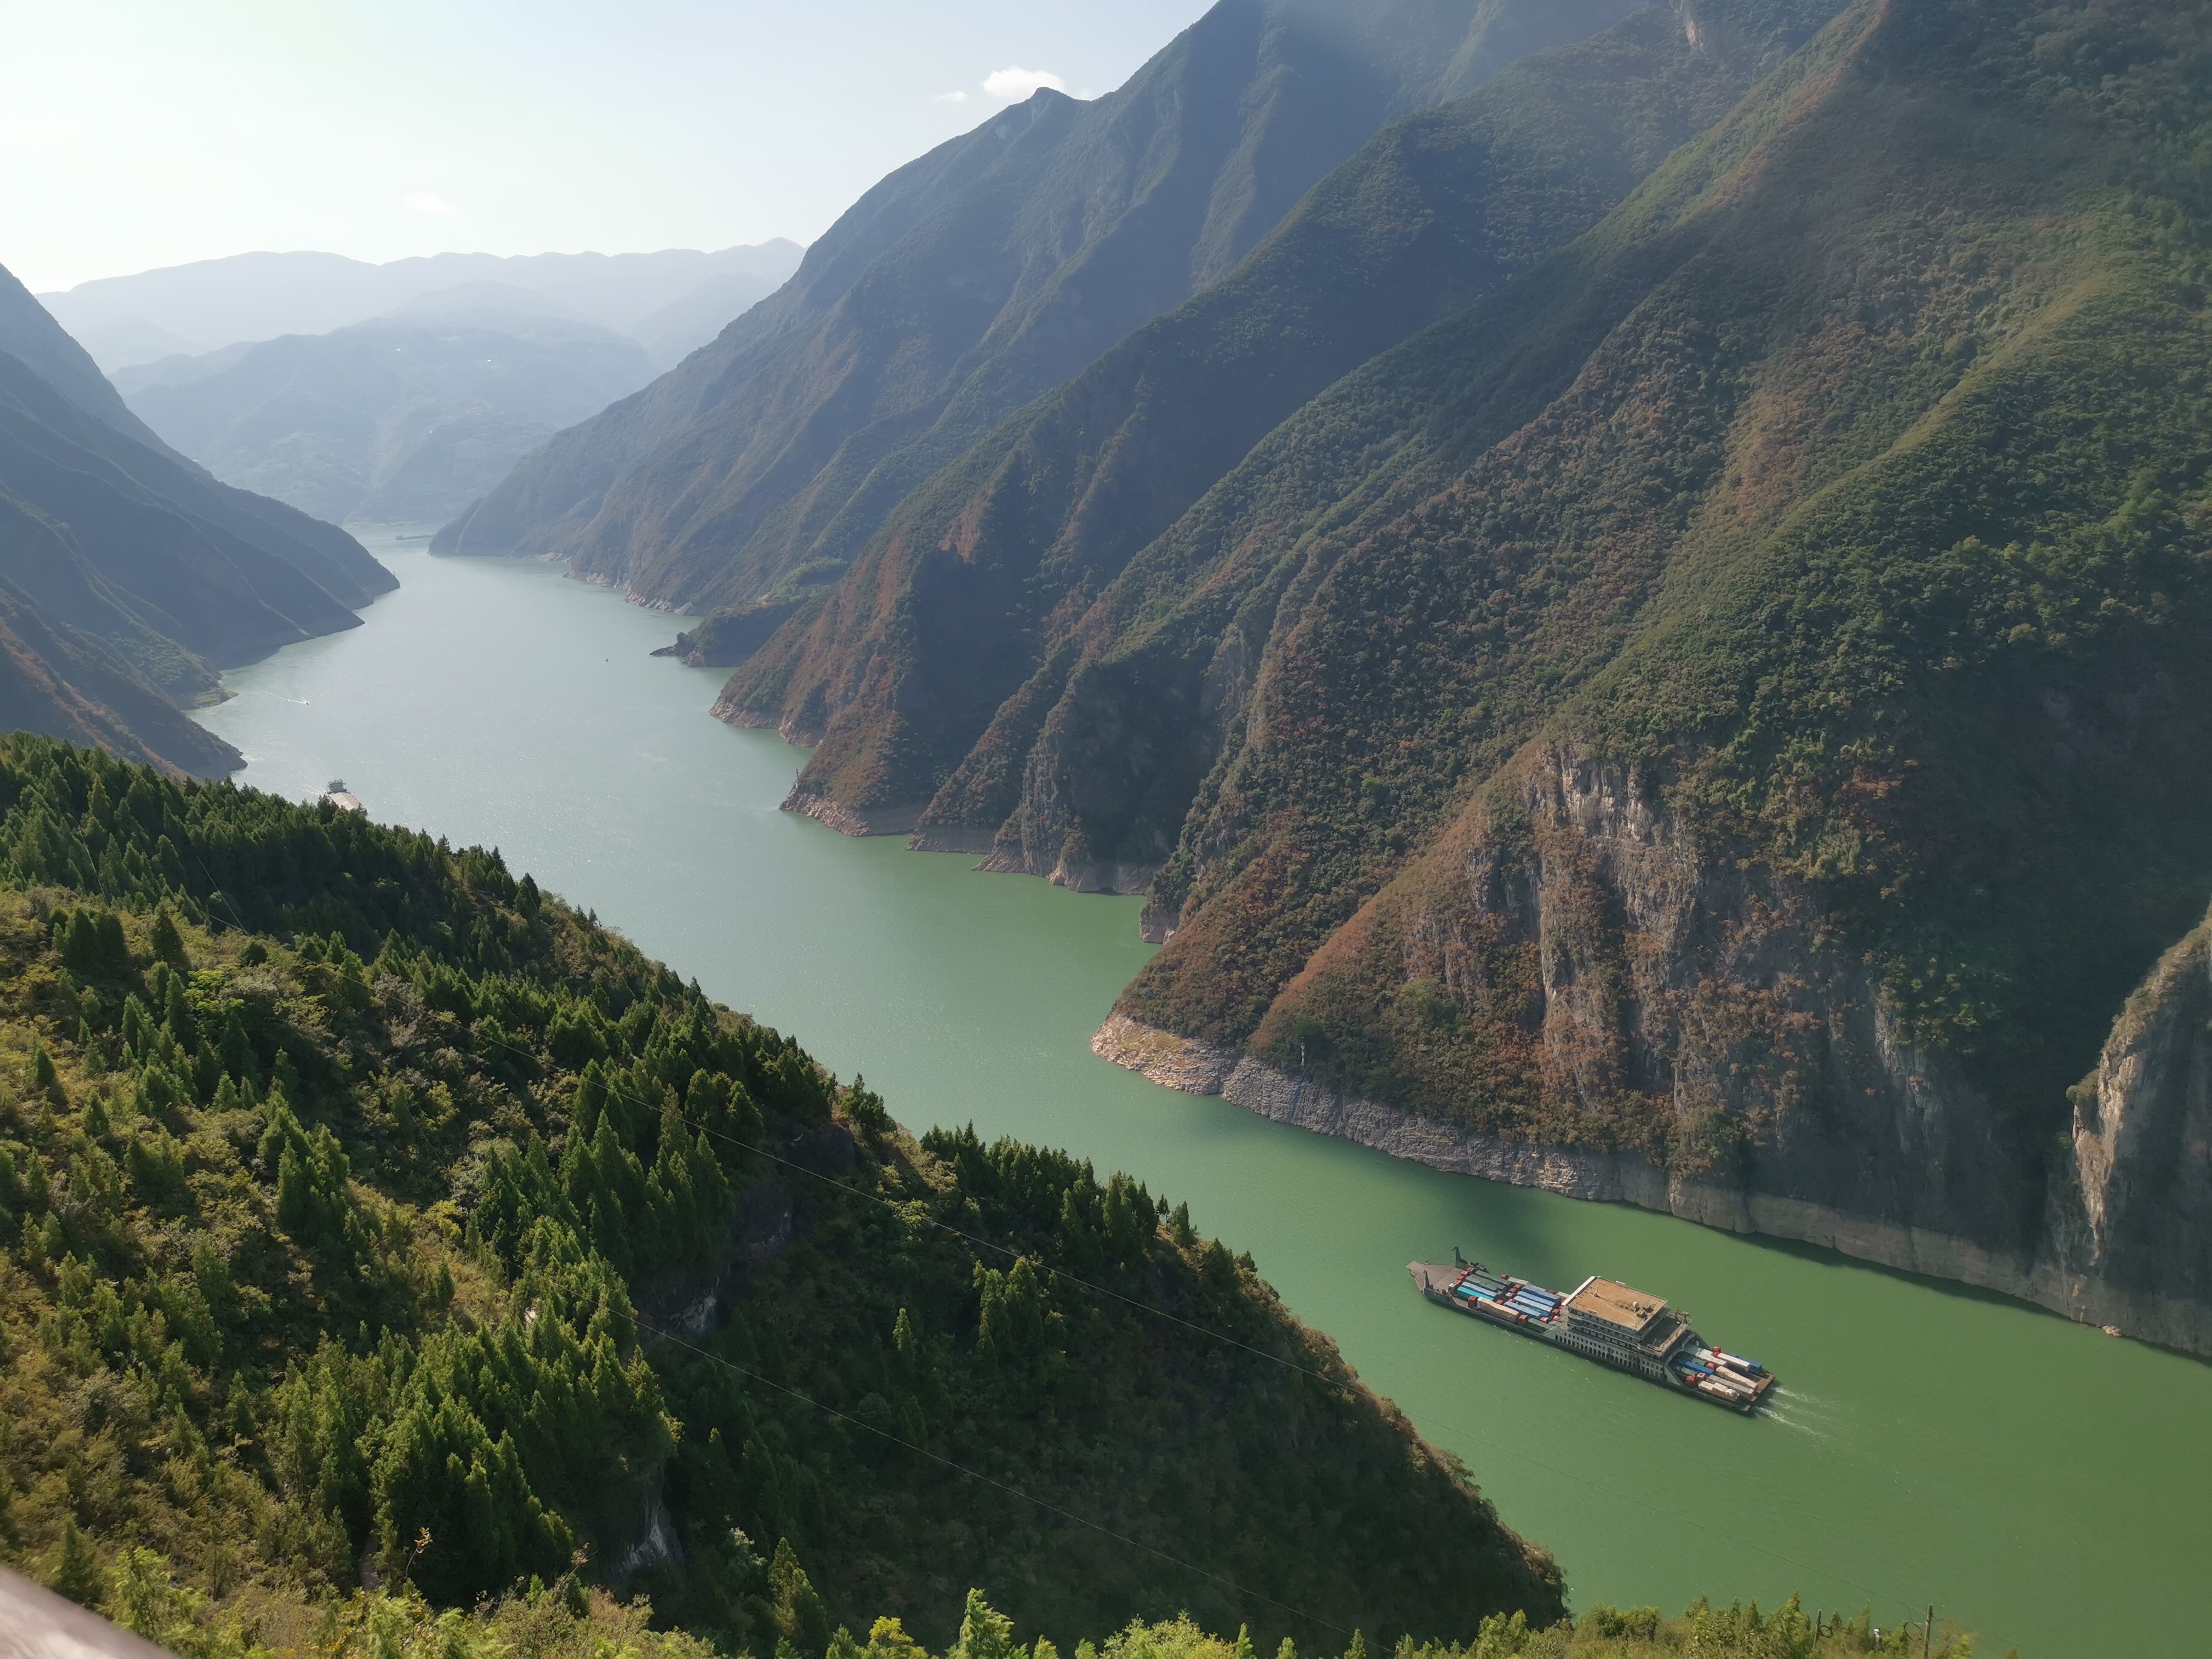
(195, 308)
(405, 419)
(407, 411)
(128, 576)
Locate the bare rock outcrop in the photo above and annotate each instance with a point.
(2131, 1222)
(1582, 998)
(894, 820)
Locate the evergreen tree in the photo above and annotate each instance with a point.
(906, 1341)
(800, 1618)
(169, 944)
(985, 1633)
(75, 1571)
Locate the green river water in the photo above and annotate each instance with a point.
(2036, 1480)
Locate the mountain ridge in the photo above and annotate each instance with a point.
(1533, 972)
(131, 574)
(1435, 211)
(405, 418)
(1091, 220)
(260, 295)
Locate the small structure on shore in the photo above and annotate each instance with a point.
(342, 797)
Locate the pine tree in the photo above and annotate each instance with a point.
(906, 1338)
(176, 1015)
(169, 944)
(800, 1618)
(75, 1571)
(985, 1632)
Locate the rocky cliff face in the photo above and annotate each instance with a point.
(1579, 995)
(1575, 965)
(1740, 749)
(2131, 1220)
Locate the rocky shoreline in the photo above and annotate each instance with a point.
(853, 820)
(1204, 1068)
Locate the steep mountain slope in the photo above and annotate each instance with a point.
(77, 661)
(213, 576)
(29, 335)
(1748, 731)
(2135, 1220)
(684, 325)
(404, 419)
(980, 586)
(125, 570)
(976, 278)
(264, 530)
(366, 1215)
(259, 296)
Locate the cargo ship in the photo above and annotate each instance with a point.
(1602, 1320)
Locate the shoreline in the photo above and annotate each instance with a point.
(1203, 1068)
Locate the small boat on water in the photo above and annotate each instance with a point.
(1601, 1319)
(343, 798)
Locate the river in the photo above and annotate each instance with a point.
(2036, 1480)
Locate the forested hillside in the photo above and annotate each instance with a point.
(558, 1621)
(969, 630)
(370, 1216)
(975, 278)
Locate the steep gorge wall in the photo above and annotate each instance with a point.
(2132, 1219)
(1582, 998)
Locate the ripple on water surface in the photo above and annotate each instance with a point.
(2036, 1480)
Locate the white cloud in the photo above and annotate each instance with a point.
(1014, 82)
(423, 202)
(949, 98)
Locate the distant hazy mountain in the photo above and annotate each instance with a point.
(979, 275)
(405, 419)
(133, 340)
(123, 321)
(127, 574)
(506, 298)
(681, 327)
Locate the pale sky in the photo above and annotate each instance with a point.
(138, 133)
